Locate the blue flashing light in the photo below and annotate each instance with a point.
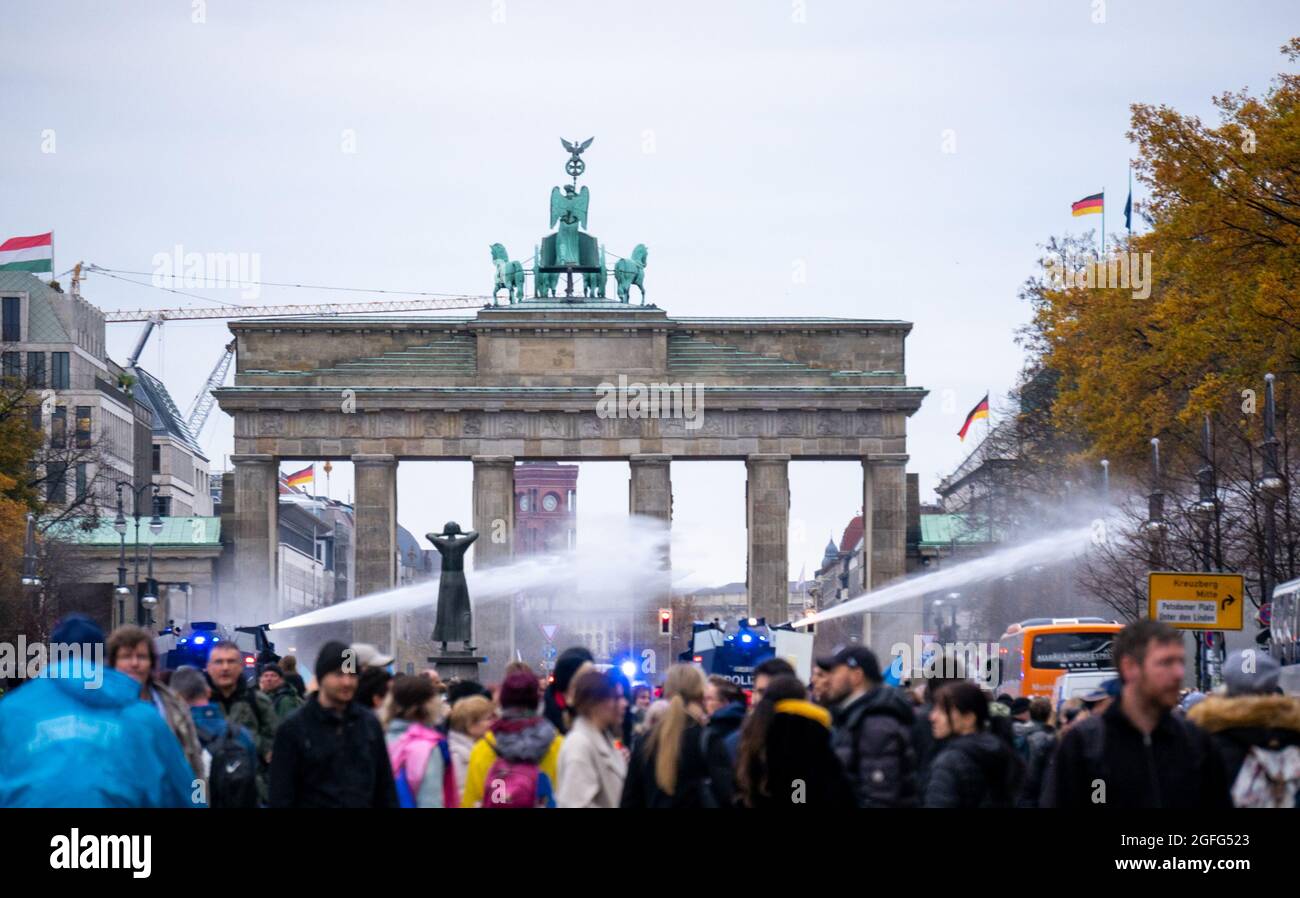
(746, 638)
(198, 640)
(182, 640)
(628, 668)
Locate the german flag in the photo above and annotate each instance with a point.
(300, 478)
(981, 410)
(1089, 205)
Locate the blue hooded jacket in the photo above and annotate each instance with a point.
(66, 744)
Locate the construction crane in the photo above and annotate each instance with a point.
(158, 316)
(204, 400)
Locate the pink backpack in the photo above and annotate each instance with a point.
(409, 757)
(516, 784)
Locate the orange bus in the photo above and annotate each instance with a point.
(1034, 652)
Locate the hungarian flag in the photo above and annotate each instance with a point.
(981, 410)
(1089, 205)
(33, 254)
(300, 478)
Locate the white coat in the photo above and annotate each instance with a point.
(591, 770)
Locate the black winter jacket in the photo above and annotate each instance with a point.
(1107, 762)
(331, 759)
(974, 771)
(873, 738)
(693, 789)
(800, 768)
(722, 774)
(1042, 744)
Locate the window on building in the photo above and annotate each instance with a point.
(60, 373)
(81, 481)
(12, 366)
(12, 330)
(162, 506)
(36, 370)
(157, 459)
(56, 484)
(35, 418)
(83, 427)
(59, 427)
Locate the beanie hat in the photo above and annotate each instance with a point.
(567, 665)
(331, 659)
(1251, 672)
(76, 628)
(520, 690)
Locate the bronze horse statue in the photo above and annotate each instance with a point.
(510, 275)
(631, 273)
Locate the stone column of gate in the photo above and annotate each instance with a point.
(767, 519)
(375, 540)
(254, 596)
(650, 494)
(494, 519)
(884, 548)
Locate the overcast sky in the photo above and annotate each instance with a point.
(778, 158)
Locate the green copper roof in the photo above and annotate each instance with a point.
(946, 529)
(176, 532)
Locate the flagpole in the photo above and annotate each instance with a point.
(1129, 216)
(988, 427)
(1103, 222)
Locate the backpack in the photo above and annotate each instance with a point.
(232, 777)
(516, 784)
(1268, 779)
(409, 757)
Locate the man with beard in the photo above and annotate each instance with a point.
(1137, 754)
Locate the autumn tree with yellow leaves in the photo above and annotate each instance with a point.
(1223, 244)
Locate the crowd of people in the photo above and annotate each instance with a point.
(361, 736)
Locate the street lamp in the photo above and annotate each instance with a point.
(1270, 488)
(149, 597)
(31, 577)
(1105, 480)
(1155, 524)
(1207, 503)
(1204, 511)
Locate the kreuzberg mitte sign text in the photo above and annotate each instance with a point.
(1196, 601)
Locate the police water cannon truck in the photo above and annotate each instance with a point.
(734, 655)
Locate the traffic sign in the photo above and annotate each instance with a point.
(548, 630)
(1196, 601)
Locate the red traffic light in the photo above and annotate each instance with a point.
(665, 621)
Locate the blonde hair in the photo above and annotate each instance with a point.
(684, 686)
(469, 711)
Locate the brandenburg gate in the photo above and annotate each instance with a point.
(524, 381)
